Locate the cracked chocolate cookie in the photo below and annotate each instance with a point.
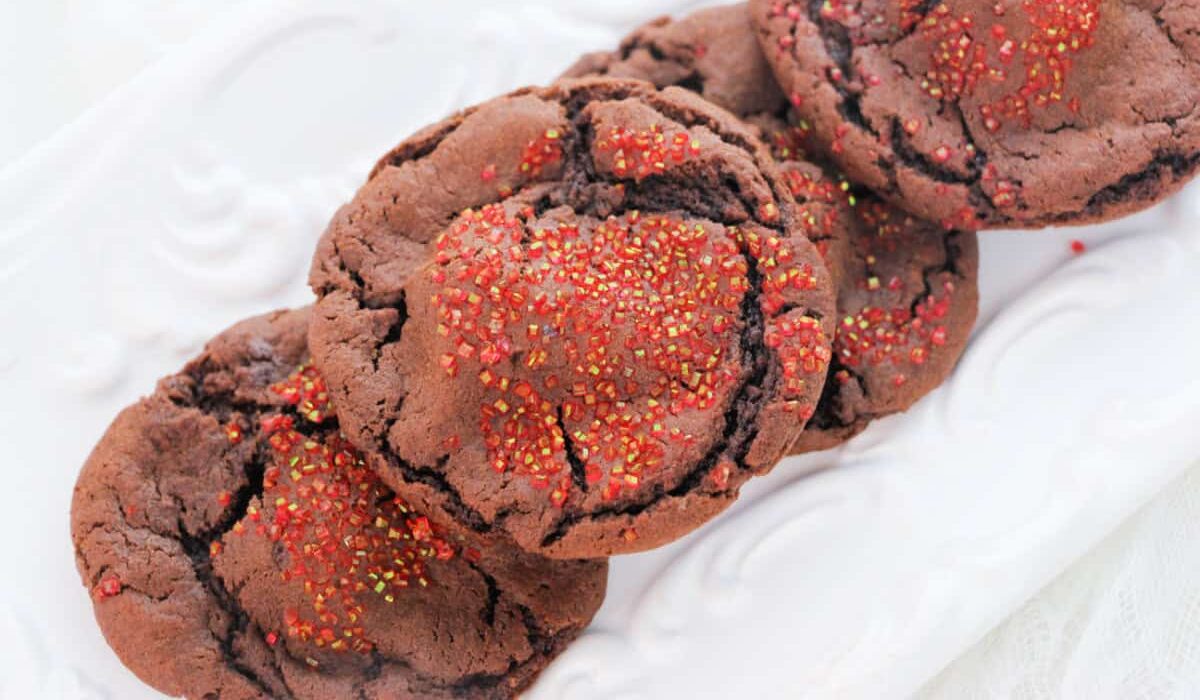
(908, 296)
(1018, 113)
(713, 52)
(237, 547)
(907, 289)
(580, 316)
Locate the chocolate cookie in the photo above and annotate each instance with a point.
(580, 316)
(997, 114)
(706, 52)
(907, 289)
(237, 547)
(908, 296)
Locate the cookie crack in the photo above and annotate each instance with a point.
(1171, 120)
(677, 57)
(425, 684)
(371, 673)
(358, 287)
(949, 265)
(655, 192)
(434, 478)
(1167, 31)
(682, 115)
(542, 644)
(693, 81)
(488, 613)
(197, 546)
(1179, 165)
(395, 331)
(909, 157)
(578, 468)
(740, 421)
(830, 407)
(198, 549)
(197, 396)
(409, 153)
(840, 49)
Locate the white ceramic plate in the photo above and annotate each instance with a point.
(192, 197)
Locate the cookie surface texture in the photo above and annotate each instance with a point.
(907, 288)
(579, 317)
(236, 546)
(1010, 114)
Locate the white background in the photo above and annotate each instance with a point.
(870, 580)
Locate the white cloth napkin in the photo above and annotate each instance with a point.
(1120, 624)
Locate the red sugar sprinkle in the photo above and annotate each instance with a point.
(1078, 247)
(108, 587)
(305, 390)
(964, 54)
(346, 535)
(965, 219)
(647, 152)
(896, 336)
(720, 475)
(545, 150)
(639, 317)
(851, 14)
(1006, 191)
(790, 142)
(967, 50)
(819, 199)
(876, 336)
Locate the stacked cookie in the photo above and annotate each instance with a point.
(573, 321)
(237, 546)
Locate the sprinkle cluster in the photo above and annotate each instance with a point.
(589, 344)
(540, 153)
(859, 20)
(861, 23)
(874, 335)
(898, 336)
(877, 336)
(347, 536)
(962, 54)
(798, 341)
(965, 50)
(646, 152)
(305, 390)
(793, 140)
(820, 200)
